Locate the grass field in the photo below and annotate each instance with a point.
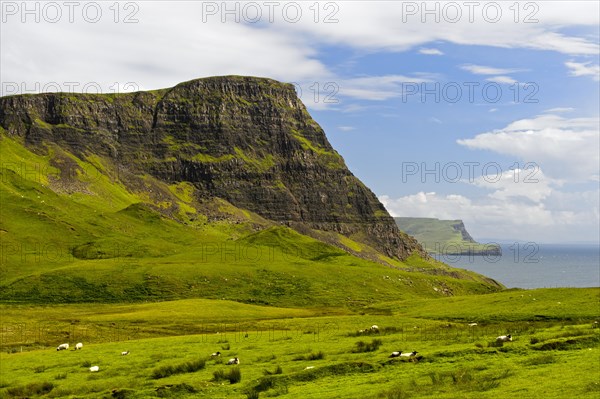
(555, 349)
(172, 277)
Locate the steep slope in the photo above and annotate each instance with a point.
(249, 141)
(448, 237)
(171, 194)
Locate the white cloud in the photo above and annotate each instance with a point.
(346, 128)
(377, 88)
(430, 51)
(493, 110)
(530, 183)
(558, 110)
(566, 149)
(584, 69)
(389, 26)
(572, 215)
(171, 42)
(486, 70)
(502, 79)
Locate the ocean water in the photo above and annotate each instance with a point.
(531, 265)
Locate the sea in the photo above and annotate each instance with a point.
(532, 265)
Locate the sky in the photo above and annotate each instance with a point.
(475, 110)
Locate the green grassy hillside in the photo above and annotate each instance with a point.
(443, 236)
(105, 243)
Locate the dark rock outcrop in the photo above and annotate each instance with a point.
(248, 140)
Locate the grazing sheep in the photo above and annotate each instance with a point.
(472, 324)
(125, 353)
(78, 346)
(374, 328)
(94, 369)
(396, 354)
(504, 338)
(309, 367)
(216, 354)
(411, 354)
(235, 360)
(595, 324)
(62, 347)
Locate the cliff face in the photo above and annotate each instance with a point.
(445, 237)
(460, 227)
(247, 140)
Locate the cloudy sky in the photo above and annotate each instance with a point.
(481, 111)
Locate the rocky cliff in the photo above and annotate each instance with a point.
(249, 141)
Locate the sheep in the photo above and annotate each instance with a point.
(78, 346)
(125, 353)
(309, 367)
(216, 354)
(62, 347)
(595, 324)
(396, 354)
(94, 369)
(411, 354)
(472, 324)
(235, 360)
(504, 338)
(374, 328)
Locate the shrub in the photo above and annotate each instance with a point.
(362, 346)
(534, 340)
(87, 363)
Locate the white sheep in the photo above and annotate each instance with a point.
(396, 354)
(309, 367)
(472, 324)
(94, 369)
(62, 347)
(78, 346)
(235, 360)
(374, 328)
(504, 338)
(216, 354)
(125, 353)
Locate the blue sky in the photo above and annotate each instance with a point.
(374, 60)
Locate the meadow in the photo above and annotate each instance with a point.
(173, 277)
(308, 353)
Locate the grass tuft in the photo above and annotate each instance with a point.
(187, 367)
(234, 375)
(35, 388)
(311, 356)
(361, 346)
